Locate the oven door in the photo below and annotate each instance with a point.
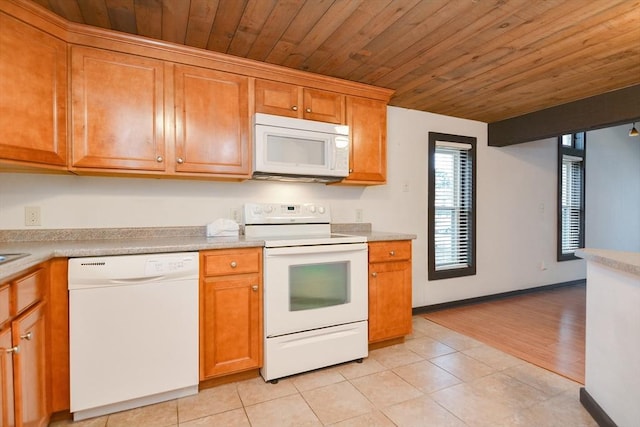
(309, 287)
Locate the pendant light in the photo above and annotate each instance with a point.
(633, 131)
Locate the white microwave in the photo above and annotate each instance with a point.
(288, 149)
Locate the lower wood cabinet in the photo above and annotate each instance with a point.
(23, 380)
(230, 311)
(29, 378)
(7, 407)
(389, 290)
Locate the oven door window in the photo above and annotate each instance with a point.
(313, 286)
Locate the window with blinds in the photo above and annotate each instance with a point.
(571, 152)
(451, 206)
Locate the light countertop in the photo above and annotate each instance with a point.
(43, 245)
(624, 261)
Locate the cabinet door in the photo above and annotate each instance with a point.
(367, 120)
(5, 298)
(231, 325)
(212, 122)
(323, 106)
(280, 99)
(283, 99)
(6, 379)
(389, 300)
(117, 111)
(33, 100)
(29, 381)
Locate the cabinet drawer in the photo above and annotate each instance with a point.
(396, 250)
(4, 304)
(28, 290)
(225, 262)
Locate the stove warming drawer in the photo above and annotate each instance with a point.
(304, 351)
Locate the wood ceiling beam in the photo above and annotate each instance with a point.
(609, 109)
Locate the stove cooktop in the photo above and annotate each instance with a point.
(331, 239)
(303, 224)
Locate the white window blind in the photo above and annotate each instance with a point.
(453, 204)
(571, 198)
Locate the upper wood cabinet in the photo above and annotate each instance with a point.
(117, 111)
(283, 99)
(323, 106)
(212, 123)
(33, 95)
(141, 107)
(367, 120)
(128, 110)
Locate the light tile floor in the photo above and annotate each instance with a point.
(438, 377)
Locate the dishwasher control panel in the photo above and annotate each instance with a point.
(123, 269)
(168, 264)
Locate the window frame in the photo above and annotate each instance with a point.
(470, 268)
(577, 149)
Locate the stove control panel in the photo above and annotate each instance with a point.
(284, 213)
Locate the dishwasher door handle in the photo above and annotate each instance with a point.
(133, 281)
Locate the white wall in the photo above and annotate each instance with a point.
(516, 205)
(612, 196)
(516, 236)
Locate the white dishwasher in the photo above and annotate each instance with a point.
(133, 330)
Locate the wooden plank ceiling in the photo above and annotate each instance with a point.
(487, 60)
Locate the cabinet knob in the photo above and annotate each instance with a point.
(159, 159)
(180, 160)
(254, 288)
(350, 170)
(15, 349)
(308, 110)
(26, 336)
(233, 264)
(392, 253)
(374, 274)
(294, 108)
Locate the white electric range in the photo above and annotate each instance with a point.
(315, 288)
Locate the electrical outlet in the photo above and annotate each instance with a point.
(234, 213)
(359, 215)
(32, 216)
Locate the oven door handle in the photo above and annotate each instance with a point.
(315, 249)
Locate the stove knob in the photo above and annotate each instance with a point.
(312, 209)
(268, 209)
(321, 210)
(257, 210)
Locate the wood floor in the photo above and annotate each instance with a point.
(546, 328)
